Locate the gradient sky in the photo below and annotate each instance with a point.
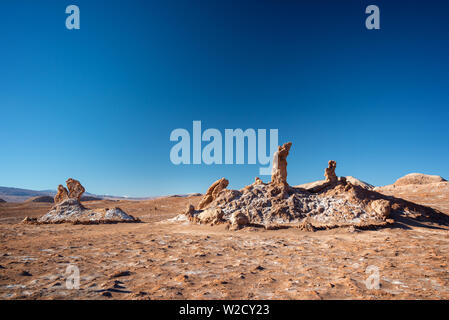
(98, 104)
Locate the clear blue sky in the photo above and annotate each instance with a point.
(98, 104)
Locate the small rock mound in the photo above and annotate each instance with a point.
(2, 201)
(71, 210)
(43, 199)
(360, 183)
(354, 181)
(418, 178)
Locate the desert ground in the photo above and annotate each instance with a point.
(163, 257)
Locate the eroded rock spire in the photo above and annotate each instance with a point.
(61, 195)
(279, 171)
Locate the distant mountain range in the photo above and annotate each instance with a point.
(20, 195)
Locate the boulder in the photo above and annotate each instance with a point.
(211, 216)
(239, 220)
(381, 207)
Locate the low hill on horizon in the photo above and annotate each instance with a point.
(10, 194)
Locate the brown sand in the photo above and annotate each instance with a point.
(162, 259)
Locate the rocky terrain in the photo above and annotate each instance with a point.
(164, 258)
(333, 202)
(172, 256)
(424, 189)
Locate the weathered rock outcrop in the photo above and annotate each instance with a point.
(68, 208)
(76, 190)
(331, 179)
(208, 216)
(330, 203)
(279, 171)
(212, 192)
(61, 195)
(333, 202)
(329, 172)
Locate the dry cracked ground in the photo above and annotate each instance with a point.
(166, 259)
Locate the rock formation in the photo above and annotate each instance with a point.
(279, 171)
(68, 208)
(61, 195)
(329, 172)
(76, 190)
(330, 203)
(314, 185)
(2, 201)
(72, 211)
(331, 179)
(212, 192)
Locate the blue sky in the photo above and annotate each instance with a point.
(98, 104)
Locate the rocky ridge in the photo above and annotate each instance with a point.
(333, 202)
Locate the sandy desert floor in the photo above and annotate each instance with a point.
(164, 259)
